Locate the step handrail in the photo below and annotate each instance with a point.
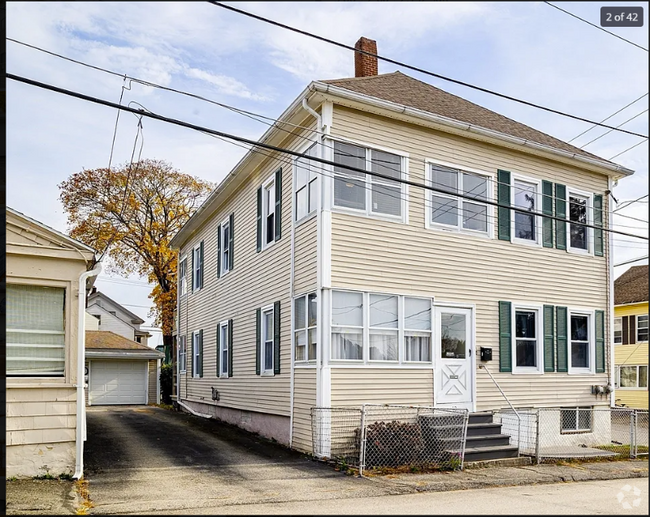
(511, 407)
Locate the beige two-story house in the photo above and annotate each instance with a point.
(412, 237)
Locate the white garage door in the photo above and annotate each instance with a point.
(118, 382)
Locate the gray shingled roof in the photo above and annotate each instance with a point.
(632, 286)
(407, 91)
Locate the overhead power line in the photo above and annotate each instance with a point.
(629, 148)
(597, 27)
(638, 259)
(269, 121)
(417, 69)
(608, 132)
(625, 204)
(262, 145)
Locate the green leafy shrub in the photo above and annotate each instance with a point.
(166, 383)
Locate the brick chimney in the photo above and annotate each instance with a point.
(364, 65)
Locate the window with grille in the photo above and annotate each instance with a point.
(576, 420)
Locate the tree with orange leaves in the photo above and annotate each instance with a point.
(131, 212)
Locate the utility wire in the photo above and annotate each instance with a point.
(629, 148)
(608, 132)
(599, 28)
(251, 115)
(237, 138)
(417, 69)
(638, 259)
(625, 204)
(607, 118)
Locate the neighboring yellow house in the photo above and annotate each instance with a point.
(46, 275)
(631, 337)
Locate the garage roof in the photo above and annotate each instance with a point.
(103, 343)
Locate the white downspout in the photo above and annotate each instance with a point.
(81, 366)
(610, 266)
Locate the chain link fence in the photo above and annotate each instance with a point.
(552, 434)
(379, 437)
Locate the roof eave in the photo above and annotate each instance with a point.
(106, 353)
(608, 168)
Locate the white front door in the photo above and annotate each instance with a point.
(453, 351)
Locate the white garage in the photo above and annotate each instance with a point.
(120, 371)
(118, 382)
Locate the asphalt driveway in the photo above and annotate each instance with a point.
(143, 459)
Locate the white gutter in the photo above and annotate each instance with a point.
(195, 413)
(81, 367)
(445, 121)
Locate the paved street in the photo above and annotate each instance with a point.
(146, 460)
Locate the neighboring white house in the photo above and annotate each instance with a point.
(115, 318)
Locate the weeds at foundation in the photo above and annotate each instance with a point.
(84, 495)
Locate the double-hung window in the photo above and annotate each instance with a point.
(618, 331)
(581, 343)
(632, 376)
(182, 276)
(306, 184)
(224, 346)
(35, 317)
(579, 215)
(365, 192)
(225, 251)
(347, 325)
(182, 354)
(197, 267)
(527, 341)
(526, 226)
(267, 341)
(576, 420)
(197, 354)
(642, 328)
(417, 329)
(384, 327)
(447, 210)
(305, 330)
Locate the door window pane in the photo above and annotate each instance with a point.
(453, 336)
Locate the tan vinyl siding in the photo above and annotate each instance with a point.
(306, 261)
(637, 399)
(304, 398)
(153, 382)
(370, 254)
(257, 280)
(356, 386)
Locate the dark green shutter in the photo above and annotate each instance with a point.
(600, 341)
(258, 340)
(200, 361)
(549, 338)
(598, 221)
(505, 337)
(231, 244)
(259, 219)
(192, 270)
(201, 266)
(219, 251)
(230, 348)
(276, 338)
(560, 211)
(503, 198)
(218, 349)
(547, 209)
(562, 339)
(278, 204)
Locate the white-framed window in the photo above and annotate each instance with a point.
(632, 377)
(446, 210)
(224, 252)
(576, 420)
(581, 342)
(268, 212)
(35, 319)
(182, 354)
(305, 327)
(527, 339)
(197, 354)
(417, 329)
(579, 237)
(197, 267)
(306, 189)
(364, 193)
(618, 331)
(224, 346)
(378, 327)
(526, 228)
(267, 341)
(642, 328)
(182, 276)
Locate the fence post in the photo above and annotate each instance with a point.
(362, 444)
(464, 441)
(636, 444)
(537, 438)
(632, 434)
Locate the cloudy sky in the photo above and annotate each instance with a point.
(527, 50)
